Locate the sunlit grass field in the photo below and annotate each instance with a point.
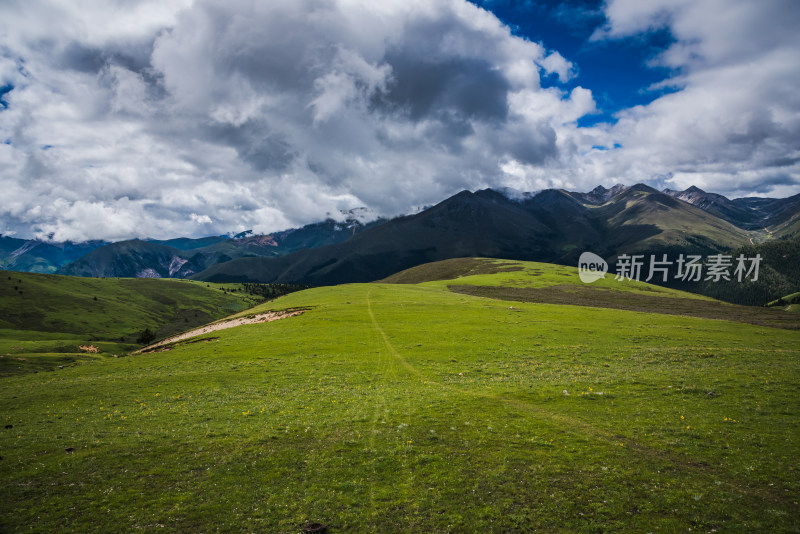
(412, 408)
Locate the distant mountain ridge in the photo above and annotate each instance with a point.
(183, 257)
(600, 194)
(553, 225)
(749, 213)
(35, 256)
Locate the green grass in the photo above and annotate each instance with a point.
(411, 408)
(788, 303)
(530, 275)
(44, 319)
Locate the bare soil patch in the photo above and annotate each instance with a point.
(266, 317)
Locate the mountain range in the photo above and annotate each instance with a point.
(171, 258)
(35, 256)
(553, 225)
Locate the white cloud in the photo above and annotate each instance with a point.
(733, 123)
(259, 114)
(555, 63)
(200, 219)
(163, 118)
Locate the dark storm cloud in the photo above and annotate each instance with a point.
(255, 143)
(528, 144)
(82, 58)
(468, 87)
(768, 183)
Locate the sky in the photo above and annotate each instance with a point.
(162, 118)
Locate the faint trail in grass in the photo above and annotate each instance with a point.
(574, 425)
(396, 357)
(384, 369)
(399, 357)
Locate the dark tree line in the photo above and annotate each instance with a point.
(271, 291)
(778, 275)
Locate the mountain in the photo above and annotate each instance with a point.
(187, 243)
(485, 221)
(552, 226)
(35, 256)
(324, 233)
(129, 259)
(787, 229)
(183, 257)
(641, 218)
(600, 194)
(779, 216)
(778, 275)
(749, 213)
(719, 206)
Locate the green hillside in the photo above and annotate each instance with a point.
(787, 303)
(788, 229)
(411, 407)
(642, 218)
(779, 275)
(44, 319)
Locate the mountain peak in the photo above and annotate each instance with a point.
(515, 194)
(600, 194)
(695, 189)
(642, 187)
(242, 235)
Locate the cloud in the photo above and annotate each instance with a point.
(258, 114)
(164, 118)
(200, 219)
(735, 117)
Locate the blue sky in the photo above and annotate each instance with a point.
(159, 118)
(617, 71)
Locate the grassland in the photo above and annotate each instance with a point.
(413, 408)
(44, 319)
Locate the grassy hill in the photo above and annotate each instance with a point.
(44, 319)
(787, 303)
(411, 407)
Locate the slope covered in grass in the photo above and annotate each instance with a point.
(44, 319)
(787, 303)
(412, 408)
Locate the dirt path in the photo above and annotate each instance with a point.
(222, 325)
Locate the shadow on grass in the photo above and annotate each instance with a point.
(618, 300)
